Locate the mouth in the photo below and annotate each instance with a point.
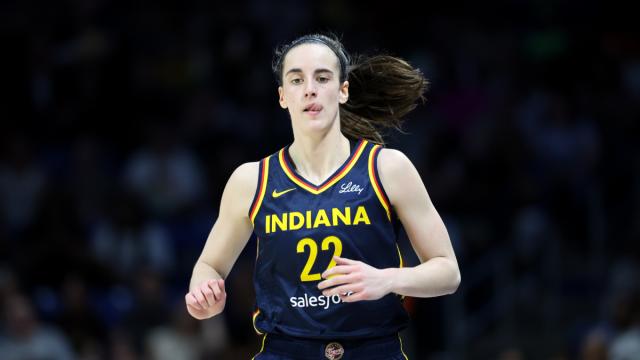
(312, 108)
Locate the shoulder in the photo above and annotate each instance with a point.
(398, 176)
(240, 189)
(393, 162)
(246, 171)
(245, 176)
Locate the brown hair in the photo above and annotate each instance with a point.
(382, 88)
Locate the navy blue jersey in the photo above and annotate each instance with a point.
(301, 226)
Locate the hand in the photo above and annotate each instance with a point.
(207, 299)
(355, 281)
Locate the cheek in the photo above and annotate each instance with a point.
(290, 94)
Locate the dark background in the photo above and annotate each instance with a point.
(121, 122)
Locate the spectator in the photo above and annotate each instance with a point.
(26, 338)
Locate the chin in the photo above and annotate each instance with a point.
(318, 124)
(314, 124)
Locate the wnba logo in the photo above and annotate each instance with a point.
(334, 351)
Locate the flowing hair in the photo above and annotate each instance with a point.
(382, 88)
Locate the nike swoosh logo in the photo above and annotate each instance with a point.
(276, 194)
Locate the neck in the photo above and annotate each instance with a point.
(316, 158)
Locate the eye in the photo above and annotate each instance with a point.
(296, 81)
(323, 79)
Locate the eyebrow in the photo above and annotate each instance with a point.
(317, 71)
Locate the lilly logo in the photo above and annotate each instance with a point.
(350, 187)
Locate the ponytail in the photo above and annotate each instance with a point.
(382, 90)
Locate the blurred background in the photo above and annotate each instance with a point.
(121, 122)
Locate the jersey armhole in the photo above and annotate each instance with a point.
(374, 177)
(261, 188)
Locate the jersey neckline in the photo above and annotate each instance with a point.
(287, 166)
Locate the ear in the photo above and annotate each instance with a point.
(343, 96)
(281, 100)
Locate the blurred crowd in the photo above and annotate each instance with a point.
(121, 124)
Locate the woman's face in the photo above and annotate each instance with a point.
(311, 88)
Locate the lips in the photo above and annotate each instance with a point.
(313, 107)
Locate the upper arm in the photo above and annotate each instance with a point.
(232, 228)
(410, 200)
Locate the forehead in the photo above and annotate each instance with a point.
(309, 57)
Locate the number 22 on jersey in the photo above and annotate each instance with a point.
(313, 253)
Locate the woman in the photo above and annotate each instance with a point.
(329, 277)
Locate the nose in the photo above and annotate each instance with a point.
(310, 90)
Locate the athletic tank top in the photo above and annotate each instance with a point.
(301, 226)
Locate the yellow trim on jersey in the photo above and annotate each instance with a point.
(401, 263)
(262, 189)
(262, 348)
(255, 315)
(374, 182)
(400, 256)
(317, 190)
(401, 349)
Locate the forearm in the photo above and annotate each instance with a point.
(202, 272)
(435, 277)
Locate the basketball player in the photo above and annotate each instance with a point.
(329, 277)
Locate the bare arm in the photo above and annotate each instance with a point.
(438, 273)
(226, 240)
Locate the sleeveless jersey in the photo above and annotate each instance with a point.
(301, 226)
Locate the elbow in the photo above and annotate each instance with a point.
(456, 281)
(456, 278)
